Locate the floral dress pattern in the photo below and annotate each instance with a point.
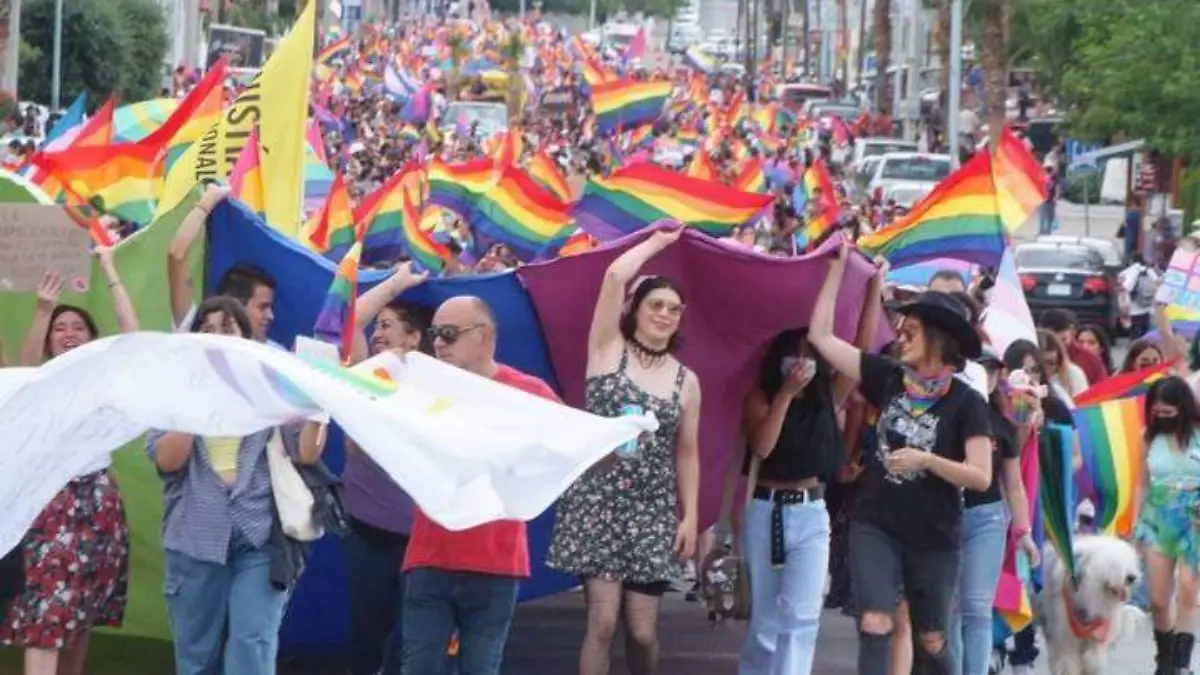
(76, 566)
(618, 522)
(1167, 519)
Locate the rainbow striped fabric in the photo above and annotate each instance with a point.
(331, 230)
(959, 219)
(1020, 181)
(116, 179)
(384, 218)
(522, 214)
(426, 253)
(457, 186)
(1124, 385)
(546, 172)
(335, 321)
(640, 194)
(824, 210)
(245, 180)
(1110, 440)
(625, 104)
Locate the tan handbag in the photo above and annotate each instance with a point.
(725, 576)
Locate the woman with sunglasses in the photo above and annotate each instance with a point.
(933, 440)
(626, 525)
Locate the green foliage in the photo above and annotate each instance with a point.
(1189, 196)
(1118, 68)
(1083, 185)
(108, 48)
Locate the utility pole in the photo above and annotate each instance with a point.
(592, 16)
(913, 69)
(843, 45)
(12, 48)
(56, 63)
(807, 39)
(785, 34)
(862, 41)
(955, 84)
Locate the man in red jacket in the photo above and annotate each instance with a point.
(1064, 324)
(467, 580)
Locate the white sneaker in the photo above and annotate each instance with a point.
(1023, 670)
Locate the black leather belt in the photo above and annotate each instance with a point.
(802, 496)
(779, 499)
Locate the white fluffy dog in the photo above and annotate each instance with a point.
(1081, 623)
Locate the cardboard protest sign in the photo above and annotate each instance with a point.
(35, 238)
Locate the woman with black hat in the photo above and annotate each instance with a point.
(933, 440)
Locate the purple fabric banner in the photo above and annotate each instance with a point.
(737, 301)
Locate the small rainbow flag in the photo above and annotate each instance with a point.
(1055, 489)
(458, 186)
(1124, 385)
(331, 230)
(752, 178)
(640, 194)
(959, 219)
(546, 172)
(522, 214)
(1021, 183)
(245, 179)
(701, 166)
(824, 212)
(335, 322)
(425, 252)
(1111, 443)
(382, 215)
(625, 104)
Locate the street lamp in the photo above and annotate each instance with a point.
(56, 64)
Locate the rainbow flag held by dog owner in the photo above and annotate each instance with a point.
(1110, 441)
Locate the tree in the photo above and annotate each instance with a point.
(995, 66)
(1136, 73)
(108, 48)
(883, 51)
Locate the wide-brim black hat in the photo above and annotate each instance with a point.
(948, 314)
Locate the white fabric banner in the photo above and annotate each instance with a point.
(467, 449)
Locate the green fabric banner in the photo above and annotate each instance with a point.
(142, 263)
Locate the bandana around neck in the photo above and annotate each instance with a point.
(923, 392)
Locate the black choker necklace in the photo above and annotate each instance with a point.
(646, 354)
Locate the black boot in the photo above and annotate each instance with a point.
(1164, 656)
(1183, 653)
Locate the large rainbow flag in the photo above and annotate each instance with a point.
(522, 214)
(457, 186)
(625, 104)
(640, 194)
(959, 219)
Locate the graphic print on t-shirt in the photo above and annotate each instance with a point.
(899, 428)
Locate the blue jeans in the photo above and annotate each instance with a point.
(1046, 219)
(437, 602)
(376, 602)
(224, 618)
(782, 636)
(984, 530)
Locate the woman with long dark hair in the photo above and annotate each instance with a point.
(626, 525)
(1168, 517)
(933, 441)
(76, 553)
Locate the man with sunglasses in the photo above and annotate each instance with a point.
(465, 581)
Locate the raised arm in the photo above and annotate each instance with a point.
(370, 304)
(604, 339)
(843, 386)
(33, 351)
(179, 277)
(843, 356)
(127, 320)
(1169, 342)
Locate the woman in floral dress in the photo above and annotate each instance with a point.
(77, 551)
(626, 526)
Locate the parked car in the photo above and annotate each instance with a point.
(907, 169)
(1066, 275)
(875, 146)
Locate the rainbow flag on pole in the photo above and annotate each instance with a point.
(457, 186)
(522, 214)
(625, 104)
(335, 322)
(1110, 440)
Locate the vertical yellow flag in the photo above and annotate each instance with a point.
(276, 103)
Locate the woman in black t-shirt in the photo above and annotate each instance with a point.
(933, 440)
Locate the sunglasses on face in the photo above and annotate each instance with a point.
(657, 305)
(449, 333)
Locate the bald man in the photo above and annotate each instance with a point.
(465, 581)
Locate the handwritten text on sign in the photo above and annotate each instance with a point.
(35, 238)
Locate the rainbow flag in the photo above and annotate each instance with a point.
(701, 166)
(98, 130)
(823, 215)
(1110, 440)
(578, 242)
(959, 219)
(1055, 490)
(382, 217)
(1021, 184)
(458, 186)
(136, 121)
(625, 104)
(522, 214)
(752, 178)
(1124, 385)
(245, 181)
(116, 179)
(335, 322)
(425, 252)
(198, 111)
(546, 172)
(640, 194)
(331, 230)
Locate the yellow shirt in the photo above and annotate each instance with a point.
(223, 455)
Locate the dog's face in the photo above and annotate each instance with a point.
(1108, 570)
